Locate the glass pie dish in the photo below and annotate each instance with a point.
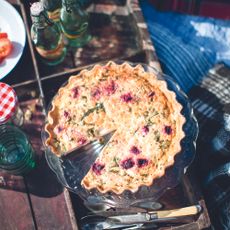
(70, 170)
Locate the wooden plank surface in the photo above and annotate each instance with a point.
(14, 204)
(51, 206)
(15, 212)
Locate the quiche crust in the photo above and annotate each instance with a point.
(145, 114)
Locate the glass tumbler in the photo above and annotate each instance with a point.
(16, 154)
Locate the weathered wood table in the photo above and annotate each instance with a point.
(37, 200)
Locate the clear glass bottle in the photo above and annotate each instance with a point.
(46, 36)
(53, 8)
(16, 154)
(74, 23)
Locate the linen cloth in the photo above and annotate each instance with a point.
(189, 49)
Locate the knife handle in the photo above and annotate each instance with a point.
(187, 211)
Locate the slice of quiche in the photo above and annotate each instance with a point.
(145, 114)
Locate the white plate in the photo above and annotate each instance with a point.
(11, 23)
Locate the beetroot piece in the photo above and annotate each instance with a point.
(127, 97)
(59, 129)
(145, 130)
(97, 168)
(75, 92)
(135, 150)
(81, 141)
(110, 88)
(151, 94)
(66, 114)
(141, 162)
(96, 93)
(168, 129)
(127, 163)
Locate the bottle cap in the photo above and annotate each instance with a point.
(8, 102)
(36, 8)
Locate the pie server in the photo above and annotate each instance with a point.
(155, 216)
(90, 148)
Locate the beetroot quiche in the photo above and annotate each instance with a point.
(145, 114)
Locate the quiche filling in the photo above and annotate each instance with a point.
(145, 114)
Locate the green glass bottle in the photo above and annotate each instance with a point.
(53, 8)
(16, 154)
(74, 23)
(46, 36)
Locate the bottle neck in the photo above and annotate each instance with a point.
(51, 5)
(41, 21)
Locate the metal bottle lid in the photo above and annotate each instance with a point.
(36, 9)
(8, 102)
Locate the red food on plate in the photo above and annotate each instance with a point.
(3, 35)
(5, 47)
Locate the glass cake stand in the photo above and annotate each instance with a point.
(70, 170)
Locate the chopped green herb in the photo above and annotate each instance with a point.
(91, 132)
(165, 112)
(144, 175)
(84, 98)
(85, 123)
(72, 122)
(115, 160)
(104, 77)
(149, 122)
(96, 108)
(69, 120)
(165, 144)
(123, 173)
(135, 131)
(56, 143)
(154, 113)
(114, 170)
(157, 136)
(146, 113)
(64, 148)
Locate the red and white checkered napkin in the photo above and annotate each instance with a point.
(8, 102)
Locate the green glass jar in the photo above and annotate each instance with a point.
(46, 36)
(16, 153)
(74, 23)
(53, 8)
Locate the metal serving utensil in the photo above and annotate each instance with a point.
(156, 216)
(89, 149)
(101, 223)
(138, 220)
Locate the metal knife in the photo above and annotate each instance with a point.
(156, 216)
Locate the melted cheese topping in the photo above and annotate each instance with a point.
(144, 113)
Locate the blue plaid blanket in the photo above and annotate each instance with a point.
(187, 46)
(195, 51)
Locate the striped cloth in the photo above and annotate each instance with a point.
(189, 49)
(187, 46)
(211, 103)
